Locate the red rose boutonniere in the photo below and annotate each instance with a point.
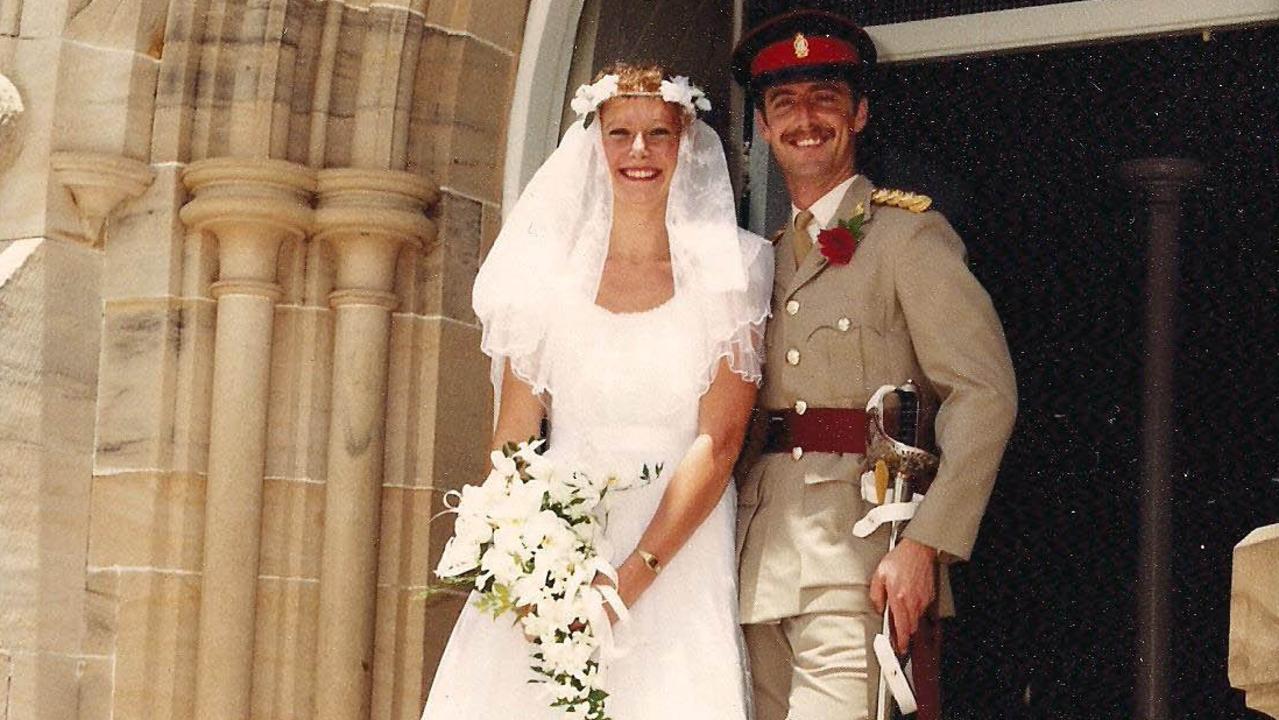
(840, 242)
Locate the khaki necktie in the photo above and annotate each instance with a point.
(800, 238)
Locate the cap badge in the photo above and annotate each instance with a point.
(801, 46)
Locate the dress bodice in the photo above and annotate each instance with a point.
(626, 386)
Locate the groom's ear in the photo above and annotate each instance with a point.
(860, 116)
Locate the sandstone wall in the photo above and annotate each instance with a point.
(238, 366)
(1254, 619)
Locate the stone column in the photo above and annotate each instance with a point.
(366, 216)
(250, 206)
(1162, 180)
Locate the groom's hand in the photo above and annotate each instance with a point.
(906, 581)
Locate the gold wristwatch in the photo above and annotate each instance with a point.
(650, 561)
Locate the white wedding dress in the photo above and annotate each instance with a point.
(625, 393)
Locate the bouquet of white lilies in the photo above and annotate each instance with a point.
(530, 542)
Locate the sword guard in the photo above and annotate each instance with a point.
(900, 458)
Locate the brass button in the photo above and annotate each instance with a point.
(792, 356)
(797, 452)
(801, 407)
(792, 307)
(844, 324)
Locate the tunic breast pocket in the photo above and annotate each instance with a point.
(841, 345)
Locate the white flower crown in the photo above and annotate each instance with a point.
(678, 90)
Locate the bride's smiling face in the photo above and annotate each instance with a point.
(641, 142)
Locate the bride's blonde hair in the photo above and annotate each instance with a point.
(635, 79)
(641, 80)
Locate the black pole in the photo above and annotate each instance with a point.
(1162, 180)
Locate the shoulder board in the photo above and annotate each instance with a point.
(913, 202)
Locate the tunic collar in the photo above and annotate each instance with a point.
(825, 208)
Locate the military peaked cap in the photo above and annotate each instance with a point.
(798, 44)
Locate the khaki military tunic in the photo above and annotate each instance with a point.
(905, 308)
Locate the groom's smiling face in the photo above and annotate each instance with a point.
(812, 129)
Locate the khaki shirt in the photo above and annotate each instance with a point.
(905, 308)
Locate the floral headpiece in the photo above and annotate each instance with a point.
(678, 90)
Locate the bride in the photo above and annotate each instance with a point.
(622, 303)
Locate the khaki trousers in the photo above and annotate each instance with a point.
(814, 667)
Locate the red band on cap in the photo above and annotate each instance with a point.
(817, 50)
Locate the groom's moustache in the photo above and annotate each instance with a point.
(821, 132)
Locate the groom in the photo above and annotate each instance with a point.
(871, 289)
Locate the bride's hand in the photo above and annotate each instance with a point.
(633, 578)
(629, 585)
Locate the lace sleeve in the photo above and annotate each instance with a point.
(735, 320)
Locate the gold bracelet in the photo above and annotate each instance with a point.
(650, 561)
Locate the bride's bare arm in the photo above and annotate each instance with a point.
(698, 482)
(520, 415)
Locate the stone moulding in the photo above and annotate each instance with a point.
(366, 215)
(99, 184)
(250, 205)
(375, 201)
(273, 193)
(11, 109)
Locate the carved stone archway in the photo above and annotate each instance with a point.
(227, 496)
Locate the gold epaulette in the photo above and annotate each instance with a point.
(913, 202)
